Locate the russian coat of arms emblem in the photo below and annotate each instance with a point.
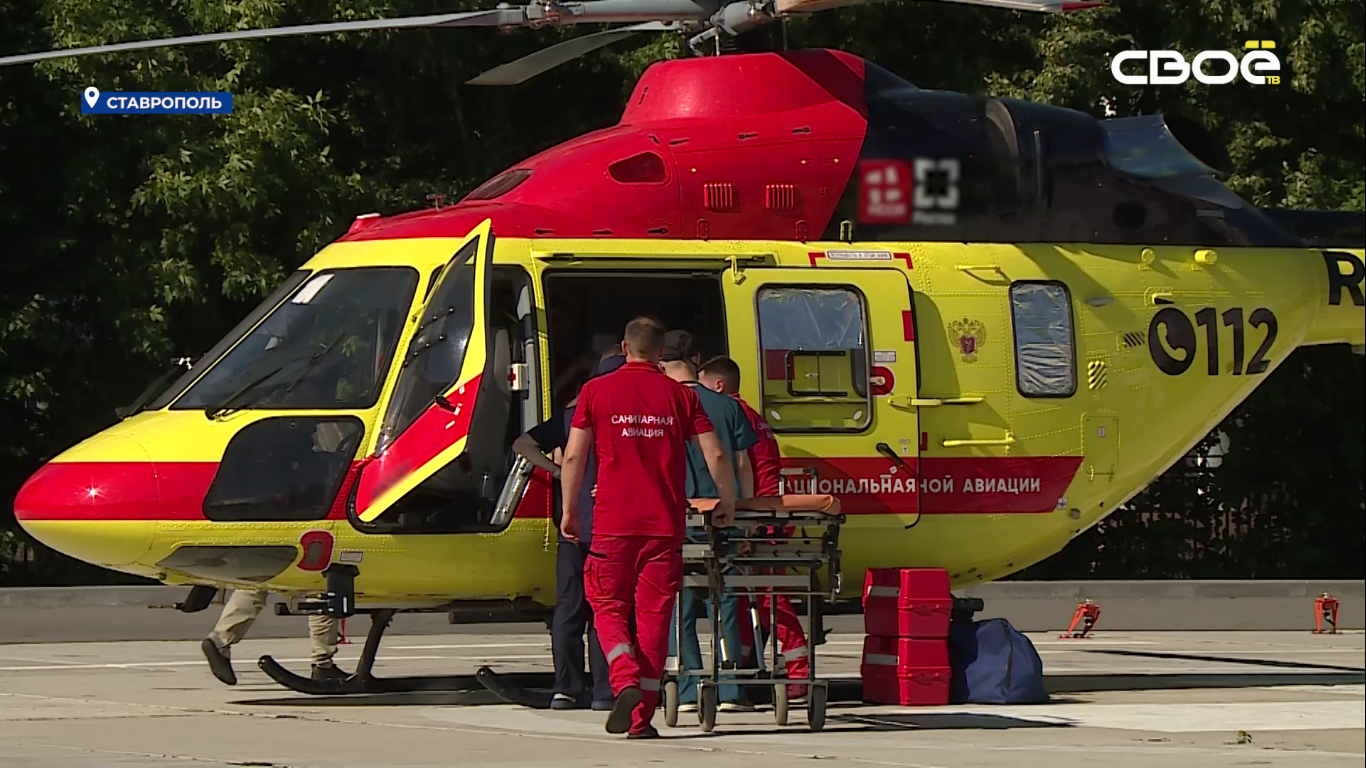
(970, 335)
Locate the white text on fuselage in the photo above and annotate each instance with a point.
(888, 484)
(642, 424)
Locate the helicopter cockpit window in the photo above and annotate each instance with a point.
(814, 345)
(202, 364)
(328, 347)
(1045, 352)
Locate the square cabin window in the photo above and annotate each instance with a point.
(1045, 346)
(814, 359)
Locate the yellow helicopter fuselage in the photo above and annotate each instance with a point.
(979, 407)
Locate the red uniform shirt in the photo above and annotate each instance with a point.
(641, 422)
(763, 455)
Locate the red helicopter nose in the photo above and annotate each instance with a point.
(103, 511)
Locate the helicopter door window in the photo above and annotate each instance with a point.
(814, 344)
(1045, 348)
(437, 350)
(472, 494)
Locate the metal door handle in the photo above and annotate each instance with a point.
(1007, 440)
(931, 402)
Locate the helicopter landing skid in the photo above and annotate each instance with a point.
(516, 687)
(363, 682)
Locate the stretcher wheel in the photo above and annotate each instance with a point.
(671, 703)
(706, 707)
(780, 703)
(815, 708)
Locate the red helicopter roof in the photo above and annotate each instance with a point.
(745, 146)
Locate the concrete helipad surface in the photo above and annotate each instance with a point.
(1122, 700)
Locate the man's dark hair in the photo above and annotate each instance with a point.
(725, 369)
(644, 336)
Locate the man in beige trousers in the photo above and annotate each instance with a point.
(240, 613)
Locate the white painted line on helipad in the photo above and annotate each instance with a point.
(38, 661)
(1354, 689)
(197, 662)
(545, 644)
(1069, 643)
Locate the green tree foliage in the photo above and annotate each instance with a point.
(132, 239)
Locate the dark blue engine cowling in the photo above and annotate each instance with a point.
(1037, 173)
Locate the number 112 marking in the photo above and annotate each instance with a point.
(1180, 335)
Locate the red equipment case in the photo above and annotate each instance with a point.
(907, 602)
(910, 672)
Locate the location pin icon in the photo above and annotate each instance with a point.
(92, 95)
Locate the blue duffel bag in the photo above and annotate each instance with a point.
(993, 663)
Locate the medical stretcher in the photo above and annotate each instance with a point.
(777, 546)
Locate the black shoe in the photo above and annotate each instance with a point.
(619, 720)
(650, 732)
(328, 672)
(219, 663)
(565, 701)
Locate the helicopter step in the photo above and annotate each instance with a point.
(363, 681)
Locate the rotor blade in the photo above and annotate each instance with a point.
(489, 18)
(527, 67)
(1041, 6)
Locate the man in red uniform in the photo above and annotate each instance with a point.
(721, 374)
(638, 422)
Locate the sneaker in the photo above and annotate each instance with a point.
(219, 663)
(328, 672)
(650, 732)
(687, 706)
(563, 701)
(619, 719)
(602, 706)
(736, 706)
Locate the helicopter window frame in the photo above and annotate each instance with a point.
(865, 328)
(431, 283)
(1023, 358)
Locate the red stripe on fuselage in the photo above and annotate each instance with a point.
(941, 486)
(116, 490)
(175, 491)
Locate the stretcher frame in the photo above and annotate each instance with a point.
(784, 544)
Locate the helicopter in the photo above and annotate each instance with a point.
(981, 324)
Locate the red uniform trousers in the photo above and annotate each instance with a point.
(636, 577)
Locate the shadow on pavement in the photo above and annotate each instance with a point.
(934, 721)
(1224, 659)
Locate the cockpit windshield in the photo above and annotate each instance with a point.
(328, 347)
(1144, 147)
